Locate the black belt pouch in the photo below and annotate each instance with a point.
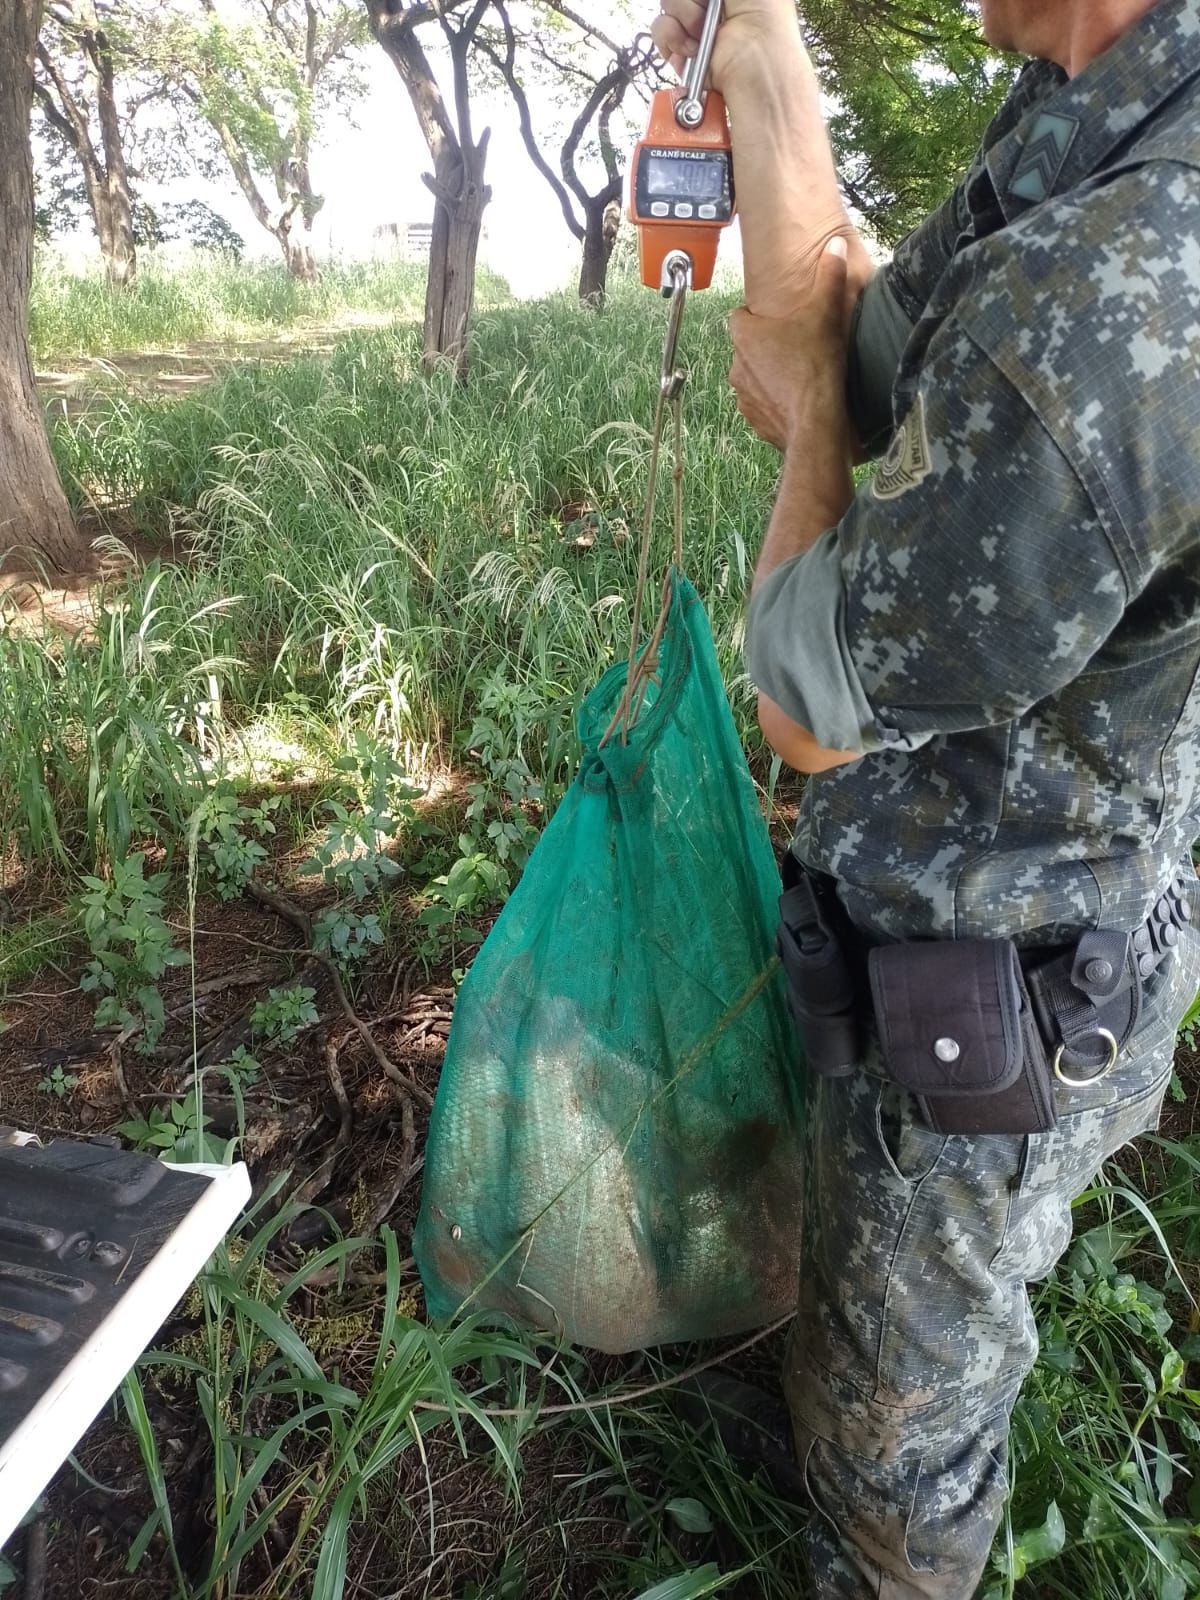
(958, 1031)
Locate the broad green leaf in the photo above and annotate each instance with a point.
(1172, 1372)
(691, 1515)
(1036, 1545)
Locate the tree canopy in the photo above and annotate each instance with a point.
(913, 86)
(258, 81)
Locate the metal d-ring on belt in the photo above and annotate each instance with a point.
(1114, 1050)
(1094, 991)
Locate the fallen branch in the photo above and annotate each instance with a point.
(237, 938)
(283, 907)
(279, 1540)
(406, 1169)
(118, 1066)
(316, 1181)
(354, 1280)
(241, 979)
(237, 1031)
(299, 919)
(390, 1069)
(35, 1560)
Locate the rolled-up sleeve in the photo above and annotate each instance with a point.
(817, 685)
(880, 330)
(970, 579)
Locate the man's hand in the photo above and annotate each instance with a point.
(784, 370)
(787, 190)
(751, 34)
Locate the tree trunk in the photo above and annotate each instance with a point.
(36, 526)
(298, 256)
(120, 254)
(600, 235)
(116, 242)
(120, 258)
(461, 196)
(300, 206)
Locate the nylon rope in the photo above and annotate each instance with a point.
(643, 664)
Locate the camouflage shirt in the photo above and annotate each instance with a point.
(1007, 620)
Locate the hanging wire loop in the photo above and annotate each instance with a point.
(643, 664)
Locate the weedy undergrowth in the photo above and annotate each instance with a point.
(132, 947)
(1106, 1434)
(423, 576)
(295, 1445)
(230, 835)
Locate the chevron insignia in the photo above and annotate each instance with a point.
(1043, 156)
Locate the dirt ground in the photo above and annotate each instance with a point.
(322, 1109)
(71, 385)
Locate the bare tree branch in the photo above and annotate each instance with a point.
(507, 69)
(53, 115)
(570, 171)
(80, 137)
(460, 40)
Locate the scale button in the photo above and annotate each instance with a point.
(706, 211)
(683, 209)
(659, 208)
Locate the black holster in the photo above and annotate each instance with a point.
(976, 1029)
(815, 947)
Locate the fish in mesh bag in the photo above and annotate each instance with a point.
(613, 1155)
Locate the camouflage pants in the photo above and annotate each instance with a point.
(914, 1330)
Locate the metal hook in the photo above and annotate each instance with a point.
(689, 108)
(676, 281)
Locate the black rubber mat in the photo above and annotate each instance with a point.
(78, 1223)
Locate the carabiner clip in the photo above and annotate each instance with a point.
(676, 281)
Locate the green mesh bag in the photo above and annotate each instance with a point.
(613, 1153)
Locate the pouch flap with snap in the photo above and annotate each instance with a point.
(949, 1014)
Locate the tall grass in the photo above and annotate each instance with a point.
(377, 549)
(210, 296)
(316, 1462)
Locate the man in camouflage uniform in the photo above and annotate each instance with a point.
(988, 659)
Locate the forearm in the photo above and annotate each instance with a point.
(815, 489)
(789, 202)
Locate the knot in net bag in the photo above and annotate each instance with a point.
(614, 1150)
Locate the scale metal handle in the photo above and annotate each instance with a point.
(689, 108)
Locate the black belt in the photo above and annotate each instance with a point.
(1086, 997)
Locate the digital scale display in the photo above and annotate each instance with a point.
(681, 189)
(685, 178)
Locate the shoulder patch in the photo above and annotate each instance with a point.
(1043, 157)
(908, 461)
